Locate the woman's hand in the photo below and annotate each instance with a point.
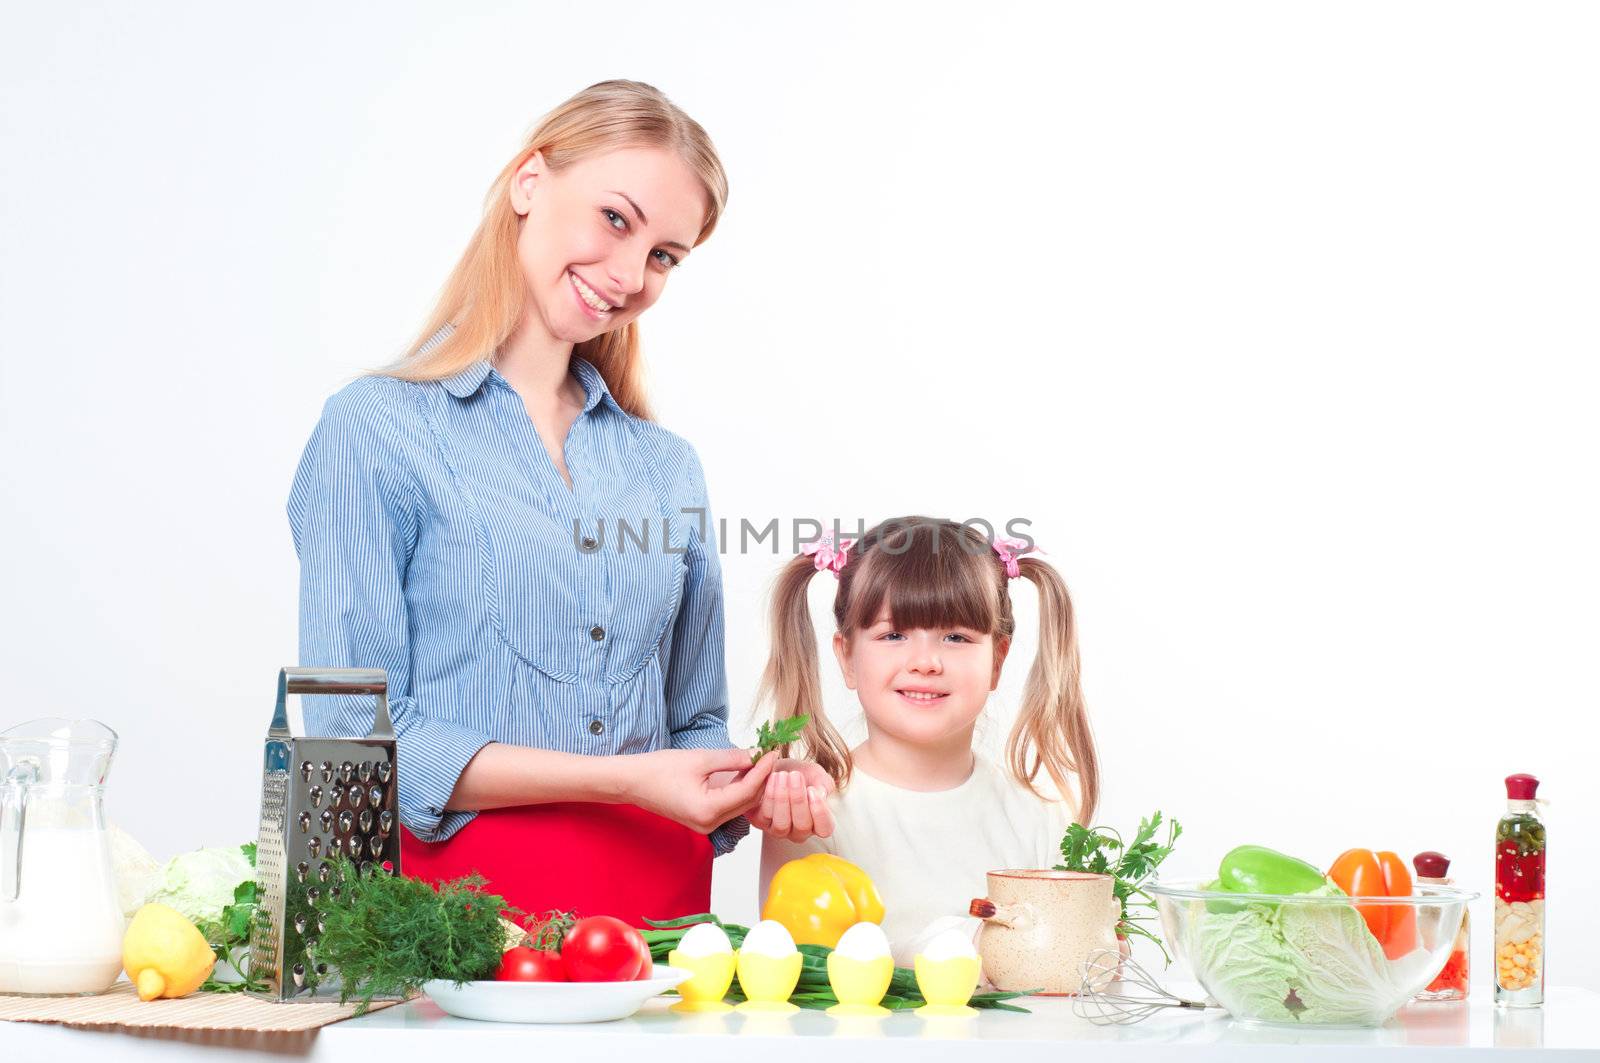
(794, 805)
(690, 786)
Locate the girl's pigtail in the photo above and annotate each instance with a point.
(792, 682)
(1052, 730)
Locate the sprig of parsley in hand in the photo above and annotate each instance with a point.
(776, 736)
(1093, 849)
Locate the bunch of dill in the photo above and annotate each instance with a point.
(388, 935)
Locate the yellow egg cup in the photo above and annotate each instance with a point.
(710, 977)
(859, 984)
(768, 981)
(947, 985)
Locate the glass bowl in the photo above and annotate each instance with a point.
(1310, 959)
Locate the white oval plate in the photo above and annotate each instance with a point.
(495, 1001)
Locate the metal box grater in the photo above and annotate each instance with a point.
(318, 796)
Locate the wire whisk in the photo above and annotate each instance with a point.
(1117, 991)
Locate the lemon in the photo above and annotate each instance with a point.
(164, 954)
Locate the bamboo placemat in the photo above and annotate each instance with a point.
(120, 1006)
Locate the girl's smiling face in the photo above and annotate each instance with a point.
(921, 686)
(599, 238)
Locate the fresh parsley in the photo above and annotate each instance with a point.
(777, 735)
(231, 932)
(546, 932)
(1101, 851)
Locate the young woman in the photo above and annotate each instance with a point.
(496, 521)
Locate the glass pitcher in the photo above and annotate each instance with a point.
(60, 922)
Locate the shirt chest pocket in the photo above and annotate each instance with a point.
(581, 604)
(644, 591)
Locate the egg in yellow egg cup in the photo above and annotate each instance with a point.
(947, 985)
(768, 981)
(859, 984)
(710, 977)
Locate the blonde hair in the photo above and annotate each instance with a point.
(936, 573)
(485, 295)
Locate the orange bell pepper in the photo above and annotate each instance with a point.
(1364, 873)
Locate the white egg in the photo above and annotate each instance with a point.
(949, 945)
(863, 941)
(704, 939)
(769, 938)
(907, 949)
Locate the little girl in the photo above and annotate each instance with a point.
(923, 614)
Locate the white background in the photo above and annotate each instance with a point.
(1278, 322)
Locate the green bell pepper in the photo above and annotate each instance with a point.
(1257, 869)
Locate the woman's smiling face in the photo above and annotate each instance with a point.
(615, 224)
(921, 686)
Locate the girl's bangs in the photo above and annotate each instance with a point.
(926, 586)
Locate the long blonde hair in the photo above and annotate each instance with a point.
(936, 573)
(485, 296)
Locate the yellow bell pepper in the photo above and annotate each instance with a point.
(863, 894)
(818, 897)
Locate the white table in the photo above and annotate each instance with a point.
(1567, 1028)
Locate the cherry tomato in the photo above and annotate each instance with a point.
(523, 964)
(1358, 873)
(604, 949)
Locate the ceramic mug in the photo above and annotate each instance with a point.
(1040, 926)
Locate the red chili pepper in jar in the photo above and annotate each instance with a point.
(1519, 864)
(1453, 976)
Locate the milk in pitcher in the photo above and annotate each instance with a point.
(63, 934)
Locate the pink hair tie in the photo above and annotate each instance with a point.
(825, 557)
(1010, 548)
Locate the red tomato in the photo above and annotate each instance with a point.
(523, 964)
(603, 949)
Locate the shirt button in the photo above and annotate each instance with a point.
(596, 727)
(597, 632)
(589, 544)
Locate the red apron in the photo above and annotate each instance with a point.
(594, 859)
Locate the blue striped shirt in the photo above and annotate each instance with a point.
(438, 542)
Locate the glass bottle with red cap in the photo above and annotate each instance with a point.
(1433, 869)
(1519, 898)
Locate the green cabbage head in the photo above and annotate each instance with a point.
(201, 883)
(1299, 963)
